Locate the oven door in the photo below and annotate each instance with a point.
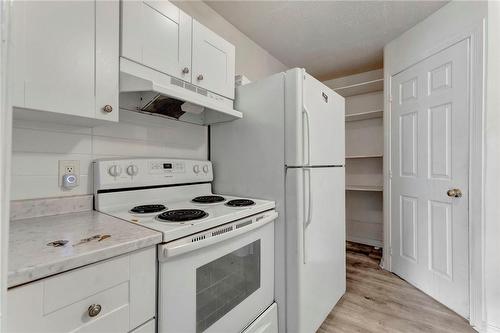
(219, 280)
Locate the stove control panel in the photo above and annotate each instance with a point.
(129, 173)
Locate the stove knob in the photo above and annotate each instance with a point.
(205, 168)
(196, 168)
(115, 170)
(132, 170)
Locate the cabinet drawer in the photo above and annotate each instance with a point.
(32, 315)
(114, 322)
(122, 288)
(65, 289)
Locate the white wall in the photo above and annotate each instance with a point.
(492, 214)
(251, 60)
(37, 147)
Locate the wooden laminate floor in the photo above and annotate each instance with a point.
(379, 301)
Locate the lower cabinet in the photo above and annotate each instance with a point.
(116, 295)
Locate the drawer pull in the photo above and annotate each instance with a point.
(94, 310)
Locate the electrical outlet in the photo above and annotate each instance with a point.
(69, 167)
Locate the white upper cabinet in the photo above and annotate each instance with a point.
(212, 61)
(160, 36)
(66, 57)
(157, 34)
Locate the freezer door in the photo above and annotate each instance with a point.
(314, 120)
(315, 221)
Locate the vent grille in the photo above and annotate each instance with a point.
(198, 238)
(202, 92)
(176, 82)
(222, 231)
(243, 224)
(190, 87)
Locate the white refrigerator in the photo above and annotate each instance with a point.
(289, 147)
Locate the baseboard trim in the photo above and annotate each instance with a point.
(365, 241)
(492, 329)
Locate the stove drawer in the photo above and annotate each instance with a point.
(115, 295)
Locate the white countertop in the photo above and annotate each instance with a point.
(30, 258)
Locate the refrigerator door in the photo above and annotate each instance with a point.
(316, 251)
(314, 120)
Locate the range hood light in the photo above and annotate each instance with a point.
(192, 108)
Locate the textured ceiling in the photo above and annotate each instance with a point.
(328, 38)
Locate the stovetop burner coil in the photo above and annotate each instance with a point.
(146, 209)
(182, 215)
(240, 203)
(207, 199)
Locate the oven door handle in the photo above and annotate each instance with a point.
(182, 246)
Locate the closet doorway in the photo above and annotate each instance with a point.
(364, 137)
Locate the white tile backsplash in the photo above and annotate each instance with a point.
(38, 147)
(45, 140)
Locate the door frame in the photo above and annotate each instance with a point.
(453, 23)
(5, 150)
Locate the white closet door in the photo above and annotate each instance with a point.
(430, 149)
(213, 61)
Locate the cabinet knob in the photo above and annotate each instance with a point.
(185, 70)
(107, 108)
(94, 310)
(200, 77)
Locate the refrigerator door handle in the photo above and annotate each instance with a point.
(306, 114)
(309, 197)
(308, 219)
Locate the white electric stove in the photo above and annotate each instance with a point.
(216, 262)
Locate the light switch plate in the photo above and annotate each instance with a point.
(69, 167)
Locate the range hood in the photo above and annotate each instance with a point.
(162, 95)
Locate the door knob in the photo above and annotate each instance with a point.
(94, 310)
(107, 108)
(185, 70)
(454, 193)
(200, 77)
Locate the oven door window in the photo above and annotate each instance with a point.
(226, 282)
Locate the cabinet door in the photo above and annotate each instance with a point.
(157, 34)
(107, 59)
(213, 61)
(55, 52)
